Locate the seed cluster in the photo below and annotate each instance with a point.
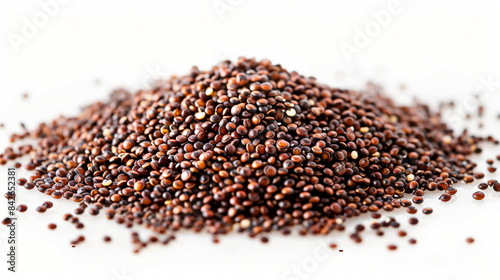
(245, 146)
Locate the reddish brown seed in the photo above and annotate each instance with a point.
(107, 239)
(21, 181)
(392, 247)
(153, 239)
(405, 203)
(67, 216)
(412, 241)
(22, 208)
(468, 179)
(479, 195)
(41, 209)
(482, 186)
(469, 240)
(116, 198)
(376, 215)
(413, 221)
(79, 211)
(496, 187)
(6, 221)
(492, 169)
(52, 226)
(451, 190)
(139, 186)
(402, 233)
(478, 175)
(445, 197)
(333, 245)
(264, 239)
(359, 228)
(9, 196)
(412, 210)
(417, 200)
(48, 204)
(427, 210)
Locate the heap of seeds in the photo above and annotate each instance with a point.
(245, 146)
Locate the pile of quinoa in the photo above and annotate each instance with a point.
(245, 146)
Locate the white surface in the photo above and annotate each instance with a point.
(438, 50)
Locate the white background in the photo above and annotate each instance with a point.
(433, 50)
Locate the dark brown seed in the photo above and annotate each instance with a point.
(479, 175)
(412, 241)
(41, 209)
(48, 204)
(445, 197)
(6, 221)
(359, 228)
(21, 181)
(417, 200)
(107, 239)
(451, 190)
(427, 211)
(482, 186)
(376, 215)
(478, 195)
(413, 221)
(22, 208)
(496, 187)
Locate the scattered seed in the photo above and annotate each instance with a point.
(482, 186)
(427, 210)
(479, 195)
(413, 221)
(412, 210)
(6, 221)
(392, 247)
(48, 204)
(22, 208)
(445, 197)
